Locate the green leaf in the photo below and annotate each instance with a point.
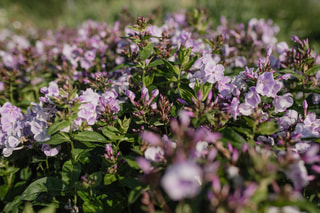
(155, 63)
(49, 209)
(111, 132)
(25, 173)
(70, 173)
(134, 194)
(109, 178)
(57, 139)
(124, 124)
(13, 205)
(172, 68)
(148, 79)
(95, 178)
(205, 89)
(313, 70)
(131, 160)
(293, 73)
(186, 93)
(146, 52)
(92, 206)
(229, 135)
(90, 136)
(267, 128)
(52, 185)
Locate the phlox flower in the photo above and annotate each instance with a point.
(182, 180)
(281, 103)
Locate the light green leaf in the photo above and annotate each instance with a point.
(90, 136)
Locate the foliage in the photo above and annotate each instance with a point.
(178, 117)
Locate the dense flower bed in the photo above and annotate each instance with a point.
(182, 117)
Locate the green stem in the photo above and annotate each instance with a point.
(11, 93)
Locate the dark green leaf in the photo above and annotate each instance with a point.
(92, 206)
(134, 194)
(229, 135)
(52, 185)
(186, 93)
(267, 128)
(172, 68)
(90, 136)
(313, 70)
(155, 63)
(70, 173)
(56, 126)
(109, 178)
(146, 52)
(131, 160)
(57, 139)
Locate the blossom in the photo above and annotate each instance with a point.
(281, 103)
(154, 153)
(182, 180)
(297, 173)
(267, 86)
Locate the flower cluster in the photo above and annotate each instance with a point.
(176, 117)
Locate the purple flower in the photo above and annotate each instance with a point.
(233, 109)
(155, 154)
(246, 109)
(267, 86)
(252, 97)
(9, 115)
(182, 180)
(48, 151)
(151, 138)
(297, 173)
(281, 103)
(212, 72)
(144, 164)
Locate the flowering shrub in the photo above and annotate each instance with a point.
(182, 117)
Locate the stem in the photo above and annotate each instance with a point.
(11, 93)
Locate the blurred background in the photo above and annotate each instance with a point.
(294, 17)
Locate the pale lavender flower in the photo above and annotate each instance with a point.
(233, 109)
(298, 174)
(151, 138)
(252, 97)
(265, 84)
(182, 180)
(154, 153)
(48, 151)
(9, 115)
(245, 109)
(144, 164)
(281, 103)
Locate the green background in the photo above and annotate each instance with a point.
(294, 17)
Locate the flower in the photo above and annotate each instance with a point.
(281, 103)
(182, 180)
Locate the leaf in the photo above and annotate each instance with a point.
(186, 93)
(267, 128)
(131, 161)
(229, 135)
(57, 139)
(146, 52)
(134, 194)
(92, 206)
(70, 173)
(171, 67)
(293, 73)
(205, 89)
(52, 185)
(96, 178)
(90, 136)
(155, 63)
(56, 126)
(109, 178)
(49, 209)
(124, 124)
(148, 79)
(111, 132)
(313, 70)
